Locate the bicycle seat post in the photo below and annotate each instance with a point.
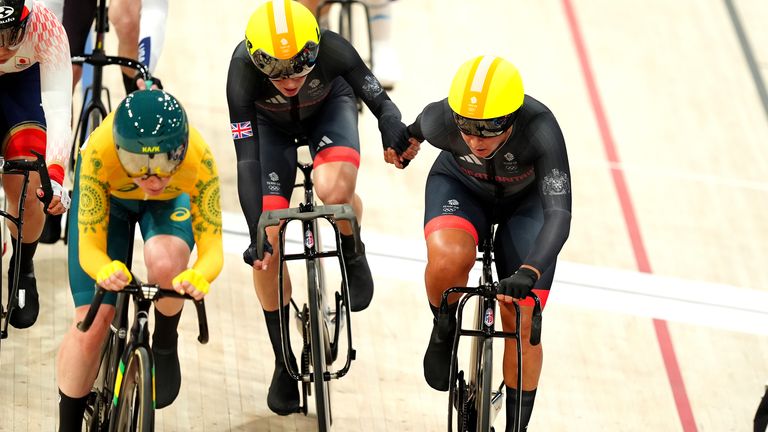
(309, 197)
(487, 258)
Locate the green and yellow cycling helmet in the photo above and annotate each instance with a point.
(485, 95)
(151, 134)
(283, 39)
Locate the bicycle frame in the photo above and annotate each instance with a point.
(308, 213)
(21, 167)
(479, 386)
(314, 317)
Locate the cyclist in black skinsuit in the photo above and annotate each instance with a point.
(287, 80)
(503, 161)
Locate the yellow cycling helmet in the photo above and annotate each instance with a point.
(485, 94)
(283, 39)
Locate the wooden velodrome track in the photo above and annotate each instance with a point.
(659, 314)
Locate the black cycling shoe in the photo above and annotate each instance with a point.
(283, 396)
(167, 375)
(24, 317)
(437, 359)
(359, 277)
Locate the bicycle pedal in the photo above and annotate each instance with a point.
(299, 321)
(497, 403)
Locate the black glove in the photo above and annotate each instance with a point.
(251, 254)
(519, 285)
(394, 133)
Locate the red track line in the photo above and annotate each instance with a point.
(662, 329)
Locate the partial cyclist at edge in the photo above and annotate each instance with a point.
(386, 65)
(144, 164)
(288, 80)
(36, 102)
(139, 26)
(503, 161)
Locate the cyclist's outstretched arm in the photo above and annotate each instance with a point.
(52, 51)
(93, 222)
(553, 179)
(205, 208)
(241, 92)
(346, 62)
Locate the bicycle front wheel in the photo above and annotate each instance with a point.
(134, 405)
(318, 340)
(483, 394)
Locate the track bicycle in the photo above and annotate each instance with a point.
(20, 167)
(322, 319)
(122, 398)
(474, 397)
(97, 103)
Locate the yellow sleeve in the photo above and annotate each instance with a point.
(206, 217)
(92, 212)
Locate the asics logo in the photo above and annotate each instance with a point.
(180, 214)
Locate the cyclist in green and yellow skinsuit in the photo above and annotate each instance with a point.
(142, 164)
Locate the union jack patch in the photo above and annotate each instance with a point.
(241, 130)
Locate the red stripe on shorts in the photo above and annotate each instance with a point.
(450, 222)
(273, 202)
(337, 154)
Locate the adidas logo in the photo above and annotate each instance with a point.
(324, 142)
(471, 159)
(279, 99)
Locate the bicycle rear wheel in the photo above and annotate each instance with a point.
(318, 339)
(134, 409)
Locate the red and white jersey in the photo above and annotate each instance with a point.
(45, 42)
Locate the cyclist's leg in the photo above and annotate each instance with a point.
(514, 240)
(386, 66)
(25, 131)
(335, 148)
(454, 221)
(77, 18)
(278, 170)
(168, 241)
(154, 14)
(124, 16)
(77, 361)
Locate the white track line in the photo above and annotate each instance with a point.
(618, 291)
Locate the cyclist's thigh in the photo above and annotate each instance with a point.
(519, 227)
(332, 132)
(89, 215)
(170, 217)
(451, 204)
(77, 20)
(23, 125)
(278, 165)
